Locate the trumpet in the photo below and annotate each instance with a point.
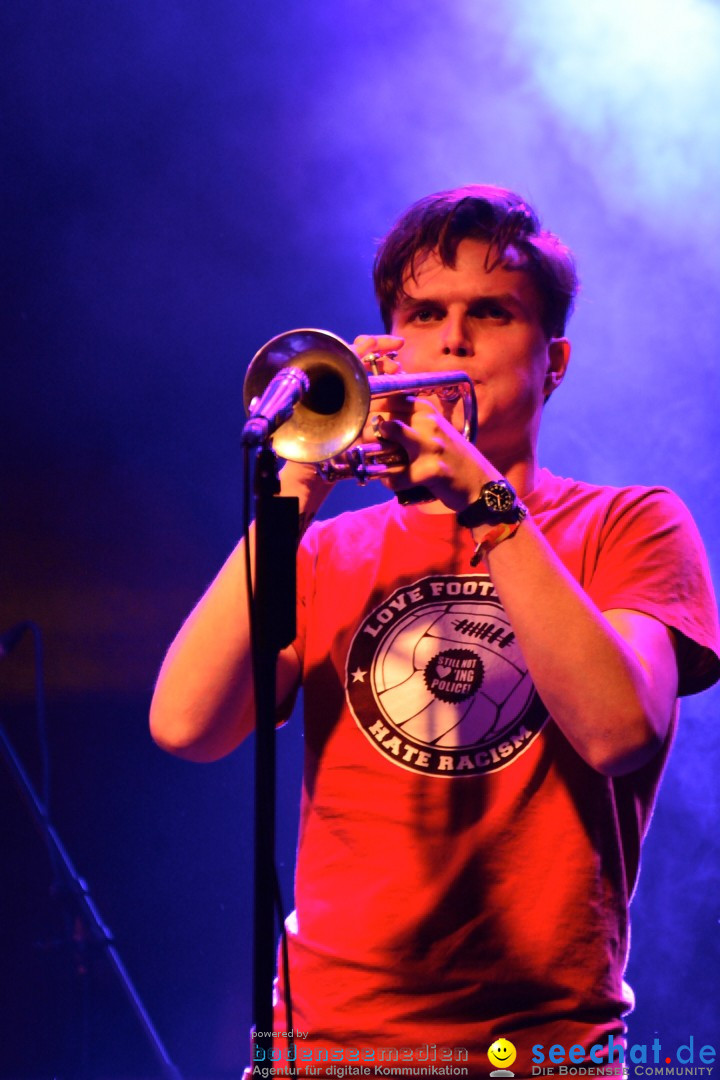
(329, 418)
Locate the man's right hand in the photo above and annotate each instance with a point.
(379, 355)
(302, 480)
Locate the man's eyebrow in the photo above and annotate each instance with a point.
(405, 301)
(511, 300)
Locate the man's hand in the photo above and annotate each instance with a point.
(439, 456)
(379, 355)
(382, 346)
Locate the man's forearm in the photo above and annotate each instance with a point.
(609, 681)
(203, 705)
(203, 701)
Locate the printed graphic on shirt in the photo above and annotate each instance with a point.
(436, 680)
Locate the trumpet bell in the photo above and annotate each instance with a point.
(333, 412)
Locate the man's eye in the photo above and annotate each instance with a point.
(422, 315)
(496, 312)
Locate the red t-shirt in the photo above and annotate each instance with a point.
(462, 873)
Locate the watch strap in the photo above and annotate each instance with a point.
(493, 537)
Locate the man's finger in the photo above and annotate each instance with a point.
(380, 343)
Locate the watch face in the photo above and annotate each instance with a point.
(498, 497)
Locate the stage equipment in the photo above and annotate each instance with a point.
(89, 929)
(307, 397)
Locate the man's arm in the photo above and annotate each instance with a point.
(608, 680)
(203, 705)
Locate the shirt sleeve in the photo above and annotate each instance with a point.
(651, 559)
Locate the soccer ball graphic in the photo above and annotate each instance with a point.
(451, 675)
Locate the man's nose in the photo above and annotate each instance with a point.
(457, 340)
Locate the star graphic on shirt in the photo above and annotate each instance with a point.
(358, 675)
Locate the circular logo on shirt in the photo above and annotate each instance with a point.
(437, 682)
(454, 674)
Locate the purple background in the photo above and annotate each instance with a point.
(184, 180)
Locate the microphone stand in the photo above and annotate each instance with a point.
(276, 538)
(97, 931)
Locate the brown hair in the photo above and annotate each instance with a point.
(481, 212)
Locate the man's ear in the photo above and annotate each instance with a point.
(558, 356)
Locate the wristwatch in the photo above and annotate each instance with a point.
(498, 504)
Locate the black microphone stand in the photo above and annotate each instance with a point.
(95, 928)
(276, 539)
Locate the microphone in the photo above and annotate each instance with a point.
(11, 637)
(275, 406)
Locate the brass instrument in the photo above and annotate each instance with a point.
(332, 413)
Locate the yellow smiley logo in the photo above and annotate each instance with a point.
(502, 1054)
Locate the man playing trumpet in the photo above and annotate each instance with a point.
(490, 682)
